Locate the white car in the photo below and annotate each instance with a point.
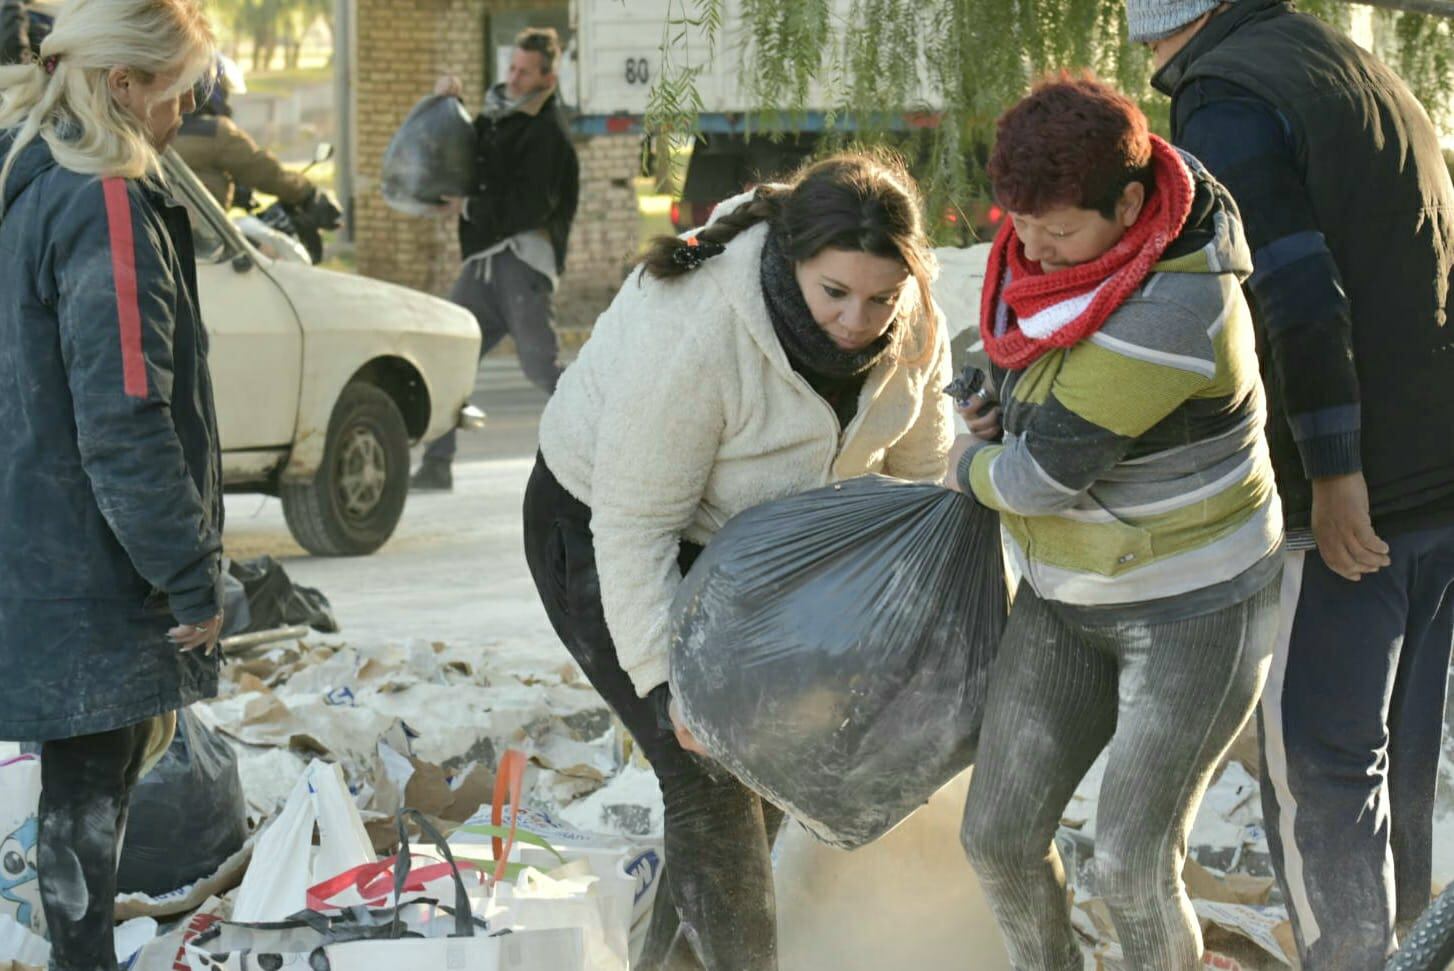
(323, 380)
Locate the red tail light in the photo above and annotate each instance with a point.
(676, 213)
(996, 214)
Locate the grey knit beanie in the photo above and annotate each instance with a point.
(1148, 20)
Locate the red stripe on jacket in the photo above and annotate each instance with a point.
(123, 269)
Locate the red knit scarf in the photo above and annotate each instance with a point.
(1025, 312)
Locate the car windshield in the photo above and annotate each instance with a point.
(211, 246)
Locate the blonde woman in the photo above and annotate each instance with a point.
(110, 498)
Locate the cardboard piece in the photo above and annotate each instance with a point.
(1246, 749)
(1227, 888)
(1257, 924)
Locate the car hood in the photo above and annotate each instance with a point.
(346, 301)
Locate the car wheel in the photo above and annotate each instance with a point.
(357, 495)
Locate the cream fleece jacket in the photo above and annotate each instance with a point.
(682, 411)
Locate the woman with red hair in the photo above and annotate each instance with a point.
(1127, 463)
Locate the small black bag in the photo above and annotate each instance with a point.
(431, 156)
(832, 649)
(274, 600)
(187, 816)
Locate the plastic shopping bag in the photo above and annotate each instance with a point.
(168, 952)
(284, 865)
(628, 868)
(560, 876)
(832, 649)
(412, 934)
(534, 950)
(19, 832)
(21, 944)
(343, 945)
(568, 897)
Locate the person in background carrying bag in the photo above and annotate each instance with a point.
(514, 227)
(1136, 494)
(790, 343)
(110, 484)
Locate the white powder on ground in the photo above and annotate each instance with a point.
(908, 900)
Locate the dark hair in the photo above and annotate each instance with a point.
(1072, 141)
(853, 201)
(543, 41)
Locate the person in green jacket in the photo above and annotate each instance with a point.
(1126, 460)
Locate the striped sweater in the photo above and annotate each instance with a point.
(1133, 466)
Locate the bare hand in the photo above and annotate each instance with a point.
(685, 738)
(189, 637)
(449, 86)
(961, 445)
(1343, 528)
(453, 207)
(983, 418)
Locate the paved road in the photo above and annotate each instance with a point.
(513, 405)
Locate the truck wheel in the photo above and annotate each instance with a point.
(357, 495)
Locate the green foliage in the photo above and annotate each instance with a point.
(1421, 49)
(870, 61)
(674, 102)
(266, 22)
(789, 48)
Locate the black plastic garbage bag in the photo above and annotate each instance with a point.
(236, 615)
(188, 815)
(832, 649)
(431, 156)
(274, 600)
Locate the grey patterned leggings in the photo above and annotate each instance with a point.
(1168, 698)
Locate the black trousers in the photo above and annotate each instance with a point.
(718, 880)
(85, 785)
(1352, 722)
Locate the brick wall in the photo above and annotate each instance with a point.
(606, 235)
(403, 47)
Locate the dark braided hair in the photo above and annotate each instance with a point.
(664, 259)
(854, 201)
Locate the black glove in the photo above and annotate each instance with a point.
(660, 700)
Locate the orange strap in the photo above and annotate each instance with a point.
(509, 779)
